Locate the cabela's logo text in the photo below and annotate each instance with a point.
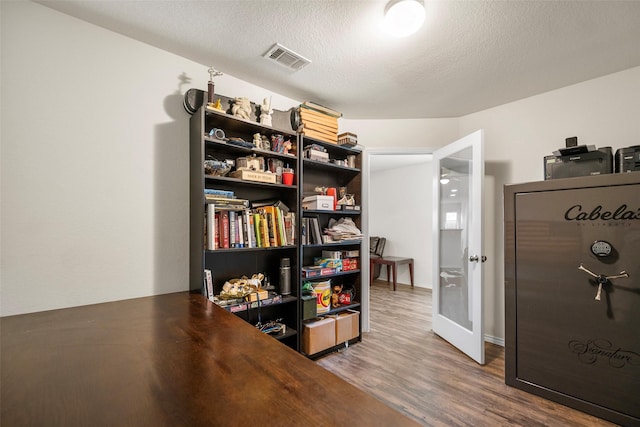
(590, 351)
(622, 213)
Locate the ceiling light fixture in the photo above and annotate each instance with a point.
(404, 17)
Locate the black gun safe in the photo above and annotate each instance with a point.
(572, 296)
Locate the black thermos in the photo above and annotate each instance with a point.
(285, 276)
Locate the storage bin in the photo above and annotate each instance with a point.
(321, 203)
(309, 309)
(319, 335)
(347, 326)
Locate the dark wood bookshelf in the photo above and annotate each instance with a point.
(316, 173)
(234, 263)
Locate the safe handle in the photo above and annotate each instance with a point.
(602, 279)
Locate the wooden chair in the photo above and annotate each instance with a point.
(376, 249)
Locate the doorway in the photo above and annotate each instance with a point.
(397, 188)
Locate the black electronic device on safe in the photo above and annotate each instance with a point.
(597, 162)
(628, 159)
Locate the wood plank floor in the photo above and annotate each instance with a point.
(404, 364)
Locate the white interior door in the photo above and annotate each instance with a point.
(458, 258)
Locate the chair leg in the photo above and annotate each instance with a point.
(411, 272)
(395, 276)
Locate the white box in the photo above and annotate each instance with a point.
(316, 154)
(318, 203)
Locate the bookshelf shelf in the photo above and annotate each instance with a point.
(342, 308)
(324, 212)
(326, 165)
(290, 332)
(214, 142)
(270, 248)
(236, 181)
(272, 300)
(328, 276)
(334, 244)
(239, 124)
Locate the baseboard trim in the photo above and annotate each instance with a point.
(494, 340)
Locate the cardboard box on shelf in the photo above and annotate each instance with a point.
(260, 293)
(256, 176)
(349, 264)
(347, 326)
(350, 254)
(317, 271)
(319, 335)
(328, 263)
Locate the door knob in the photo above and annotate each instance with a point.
(474, 258)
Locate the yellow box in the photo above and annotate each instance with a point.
(347, 326)
(261, 293)
(319, 335)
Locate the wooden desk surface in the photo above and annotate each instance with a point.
(167, 360)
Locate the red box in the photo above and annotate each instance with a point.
(349, 264)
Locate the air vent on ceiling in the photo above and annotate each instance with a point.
(286, 57)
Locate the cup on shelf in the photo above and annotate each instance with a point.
(287, 176)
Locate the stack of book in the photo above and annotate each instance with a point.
(224, 199)
(319, 122)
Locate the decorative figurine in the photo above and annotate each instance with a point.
(346, 199)
(212, 73)
(321, 190)
(335, 296)
(217, 105)
(241, 108)
(265, 112)
(286, 146)
(266, 145)
(257, 140)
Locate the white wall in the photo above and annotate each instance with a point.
(405, 133)
(400, 209)
(94, 162)
(602, 112)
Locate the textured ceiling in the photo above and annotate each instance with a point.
(470, 55)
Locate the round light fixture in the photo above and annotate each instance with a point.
(404, 17)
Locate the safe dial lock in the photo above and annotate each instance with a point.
(600, 248)
(602, 279)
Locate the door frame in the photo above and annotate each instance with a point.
(375, 151)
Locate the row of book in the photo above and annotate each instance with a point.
(311, 231)
(262, 227)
